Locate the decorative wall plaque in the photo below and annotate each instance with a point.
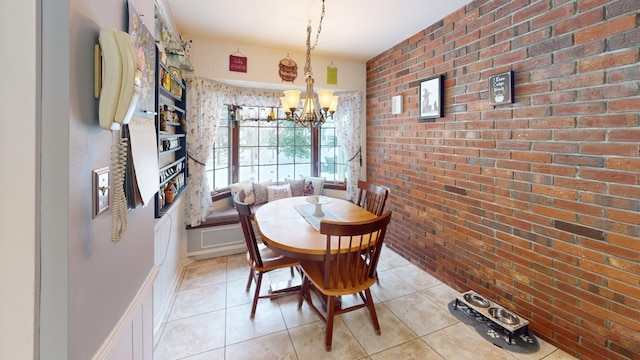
(238, 62)
(332, 74)
(501, 88)
(288, 69)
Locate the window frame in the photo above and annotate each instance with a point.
(234, 156)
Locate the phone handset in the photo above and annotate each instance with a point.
(120, 85)
(118, 99)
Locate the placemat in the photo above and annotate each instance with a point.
(307, 210)
(523, 343)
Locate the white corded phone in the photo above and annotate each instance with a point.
(118, 99)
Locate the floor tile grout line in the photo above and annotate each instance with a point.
(228, 268)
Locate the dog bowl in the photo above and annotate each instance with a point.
(504, 316)
(476, 300)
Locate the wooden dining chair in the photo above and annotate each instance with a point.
(372, 197)
(350, 270)
(260, 258)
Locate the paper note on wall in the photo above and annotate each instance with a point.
(144, 156)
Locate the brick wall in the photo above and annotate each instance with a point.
(534, 204)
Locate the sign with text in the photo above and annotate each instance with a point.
(501, 88)
(237, 63)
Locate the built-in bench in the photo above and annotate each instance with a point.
(220, 234)
(224, 215)
(221, 216)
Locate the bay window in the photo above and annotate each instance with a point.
(252, 142)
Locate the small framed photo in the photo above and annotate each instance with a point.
(501, 88)
(431, 98)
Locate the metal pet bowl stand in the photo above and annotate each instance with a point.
(512, 323)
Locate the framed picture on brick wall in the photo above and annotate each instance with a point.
(431, 98)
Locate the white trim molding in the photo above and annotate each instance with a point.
(133, 334)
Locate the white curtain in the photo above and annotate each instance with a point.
(347, 121)
(205, 101)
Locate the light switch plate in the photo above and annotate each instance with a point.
(100, 190)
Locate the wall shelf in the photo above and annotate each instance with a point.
(171, 136)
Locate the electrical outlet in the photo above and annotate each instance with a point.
(100, 190)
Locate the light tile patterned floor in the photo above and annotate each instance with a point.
(210, 320)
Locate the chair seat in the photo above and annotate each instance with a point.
(260, 258)
(271, 260)
(315, 273)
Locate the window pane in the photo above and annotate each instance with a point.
(248, 155)
(222, 158)
(302, 170)
(248, 133)
(269, 136)
(302, 154)
(268, 155)
(222, 179)
(267, 173)
(333, 161)
(217, 165)
(286, 172)
(248, 172)
(303, 136)
(273, 150)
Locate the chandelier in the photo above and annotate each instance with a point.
(310, 115)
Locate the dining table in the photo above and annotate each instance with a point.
(290, 226)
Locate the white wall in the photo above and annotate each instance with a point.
(18, 160)
(210, 59)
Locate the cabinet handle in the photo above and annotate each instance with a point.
(150, 112)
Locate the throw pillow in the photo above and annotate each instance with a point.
(275, 192)
(313, 185)
(247, 186)
(260, 191)
(297, 187)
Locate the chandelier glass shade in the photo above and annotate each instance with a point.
(312, 113)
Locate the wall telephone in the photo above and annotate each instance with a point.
(119, 94)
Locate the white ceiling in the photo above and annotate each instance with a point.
(353, 29)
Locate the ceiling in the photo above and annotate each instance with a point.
(352, 29)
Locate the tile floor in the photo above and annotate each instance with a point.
(209, 320)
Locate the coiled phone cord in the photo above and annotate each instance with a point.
(119, 212)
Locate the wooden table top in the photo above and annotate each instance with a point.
(286, 231)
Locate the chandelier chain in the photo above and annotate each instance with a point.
(319, 27)
(314, 112)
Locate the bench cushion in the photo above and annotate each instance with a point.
(223, 216)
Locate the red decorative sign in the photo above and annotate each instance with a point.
(237, 63)
(288, 69)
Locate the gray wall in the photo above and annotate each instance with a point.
(87, 281)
